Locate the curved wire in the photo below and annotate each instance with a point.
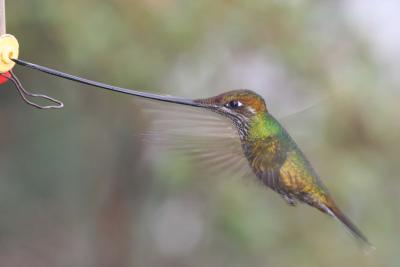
(25, 94)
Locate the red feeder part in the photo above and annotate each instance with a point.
(4, 77)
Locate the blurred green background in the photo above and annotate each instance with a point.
(78, 187)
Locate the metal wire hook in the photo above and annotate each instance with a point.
(25, 94)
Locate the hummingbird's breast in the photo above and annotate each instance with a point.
(277, 161)
(265, 143)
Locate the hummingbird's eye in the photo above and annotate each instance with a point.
(233, 104)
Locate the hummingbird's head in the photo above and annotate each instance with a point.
(237, 105)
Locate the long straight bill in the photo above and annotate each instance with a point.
(169, 99)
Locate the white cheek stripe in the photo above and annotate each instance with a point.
(252, 110)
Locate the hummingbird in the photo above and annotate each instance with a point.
(271, 153)
(274, 156)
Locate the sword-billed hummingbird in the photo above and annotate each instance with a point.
(270, 151)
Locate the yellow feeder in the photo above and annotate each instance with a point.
(9, 49)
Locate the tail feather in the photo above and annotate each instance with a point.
(336, 213)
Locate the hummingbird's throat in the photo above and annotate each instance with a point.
(263, 126)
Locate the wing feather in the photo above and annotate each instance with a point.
(209, 140)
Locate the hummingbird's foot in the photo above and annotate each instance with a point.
(290, 200)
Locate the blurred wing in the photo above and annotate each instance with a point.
(306, 125)
(209, 140)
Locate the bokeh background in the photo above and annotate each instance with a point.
(78, 186)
